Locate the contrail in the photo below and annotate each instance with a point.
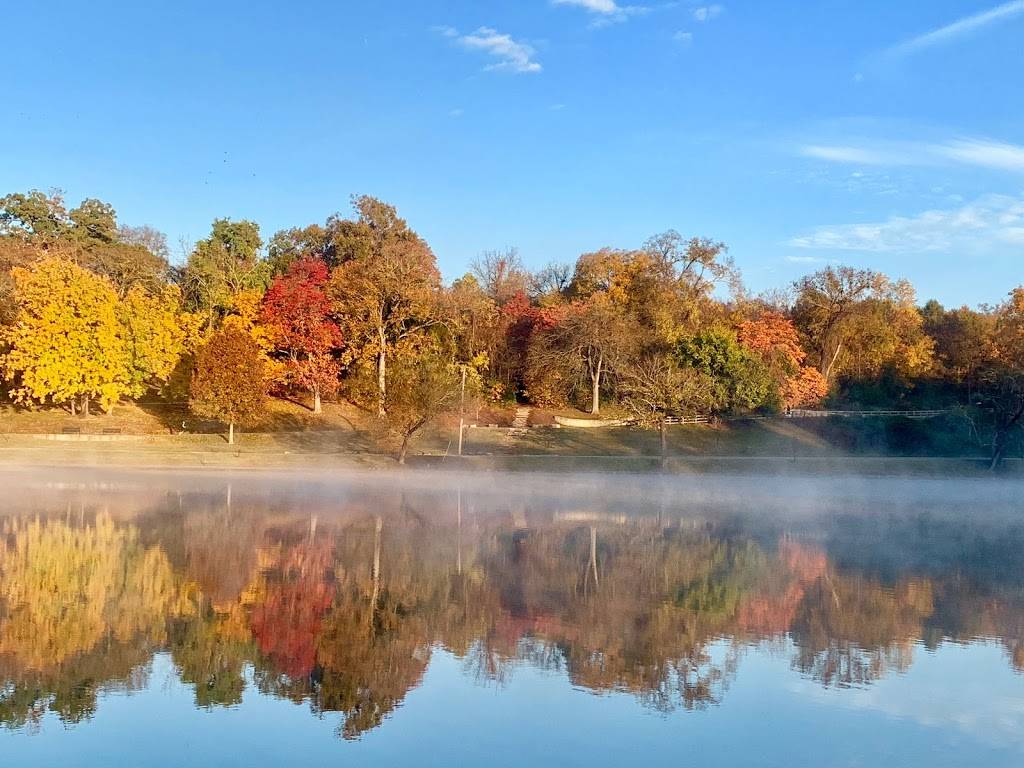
(956, 29)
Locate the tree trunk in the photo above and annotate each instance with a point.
(403, 450)
(231, 433)
(827, 367)
(85, 405)
(74, 409)
(595, 392)
(381, 376)
(317, 408)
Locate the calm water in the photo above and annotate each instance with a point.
(180, 620)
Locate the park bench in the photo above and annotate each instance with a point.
(72, 430)
(111, 430)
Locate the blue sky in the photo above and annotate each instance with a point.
(880, 134)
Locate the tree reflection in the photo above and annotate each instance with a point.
(342, 611)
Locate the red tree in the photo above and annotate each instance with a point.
(297, 314)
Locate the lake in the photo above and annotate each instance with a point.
(177, 619)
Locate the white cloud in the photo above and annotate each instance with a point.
(607, 11)
(511, 55)
(990, 224)
(957, 29)
(683, 38)
(986, 153)
(707, 12)
(845, 154)
(804, 259)
(594, 6)
(990, 154)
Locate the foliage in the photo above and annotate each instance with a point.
(229, 383)
(775, 339)
(68, 341)
(386, 289)
(296, 312)
(222, 265)
(740, 379)
(422, 386)
(157, 334)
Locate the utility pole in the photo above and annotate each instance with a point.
(462, 407)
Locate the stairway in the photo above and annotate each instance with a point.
(521, 422)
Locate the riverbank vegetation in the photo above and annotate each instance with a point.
(354, 309)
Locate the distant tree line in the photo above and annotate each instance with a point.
(95, 313)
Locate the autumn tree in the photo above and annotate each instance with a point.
(858, 322)
(386, 289)
(586, 341)
(296, 311)
(1001, 380)
(229, 382)
(67, 343)
(655, 386)
(156, 334)
(474, 318)
(962, 339)
(774, 338)
(423, 385)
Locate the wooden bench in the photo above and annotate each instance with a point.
(111, 430)
(72, 430)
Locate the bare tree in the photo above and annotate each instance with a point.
(501, 274)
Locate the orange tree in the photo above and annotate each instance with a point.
(229, 383)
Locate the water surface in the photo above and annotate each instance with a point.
(176, 620)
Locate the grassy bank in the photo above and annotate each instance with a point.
(294, 438)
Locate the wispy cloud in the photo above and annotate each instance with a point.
(682, 37)
(991, 224)
(707, 12)
(838, 153)
(511, 55)
(980, 152)
(990, 154)
(957, 29)
(594, 6)
(804, 259)
(606, 11)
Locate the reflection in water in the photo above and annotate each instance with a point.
(338, 601)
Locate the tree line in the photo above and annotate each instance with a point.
(95, 313)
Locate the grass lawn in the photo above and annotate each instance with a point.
(152, 433)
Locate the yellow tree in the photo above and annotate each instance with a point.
(157, 334)
(67, 342)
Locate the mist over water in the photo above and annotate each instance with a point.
(164, 618)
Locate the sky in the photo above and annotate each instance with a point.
(876, 134)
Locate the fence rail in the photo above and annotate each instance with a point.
(802, 413)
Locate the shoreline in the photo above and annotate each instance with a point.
(151, 457)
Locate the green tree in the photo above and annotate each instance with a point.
(739, 378)
(229, 382)
(222, 265)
